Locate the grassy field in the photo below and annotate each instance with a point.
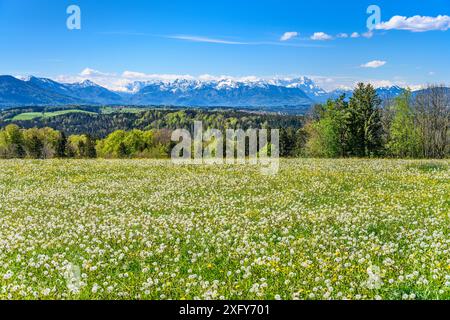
(35, 115)
(25, 116)
(142, 229)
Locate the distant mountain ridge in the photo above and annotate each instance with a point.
(86, 91)
(220, 93)
(296, 93)
(17, 92)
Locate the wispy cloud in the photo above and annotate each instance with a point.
(374, 64)
(137, 76)
(284, 40)
(416, 23)
(203, 39)
(206, 39)
(289, 35)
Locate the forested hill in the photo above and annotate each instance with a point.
(409, 126)
(99, 122)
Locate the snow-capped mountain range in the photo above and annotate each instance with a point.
(296, 93)
(178, 85)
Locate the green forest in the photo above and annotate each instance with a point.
(409, 126)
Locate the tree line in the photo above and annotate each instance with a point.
(409, 126)
(100, 124)
(47, 143)
(413, 125)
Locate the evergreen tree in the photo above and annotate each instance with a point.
(287, 142)
(339, 114)
(365, 122)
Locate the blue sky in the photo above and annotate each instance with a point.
(120, 40)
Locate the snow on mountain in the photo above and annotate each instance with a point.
(307, 85)
(203, 91)
(303, 83)
(41, 91)
(383, 92)
(14, 92)
(83, 84)
(47, 84)
(225, 92)
(389, 92)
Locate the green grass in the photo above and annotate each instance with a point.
(146, 229)
(37, 115)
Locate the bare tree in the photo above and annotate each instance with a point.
(433, 120)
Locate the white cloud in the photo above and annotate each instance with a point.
(415, 87)
(354, 35)
(208, 77)
(374, 64)
(381, 83)
(330, 83)
(140, 76)
(288, 35)
(88, 72)
(121, 81)
(349, 83)
(321, 36)
(416, 23)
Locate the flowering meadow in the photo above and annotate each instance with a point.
(146, 229)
